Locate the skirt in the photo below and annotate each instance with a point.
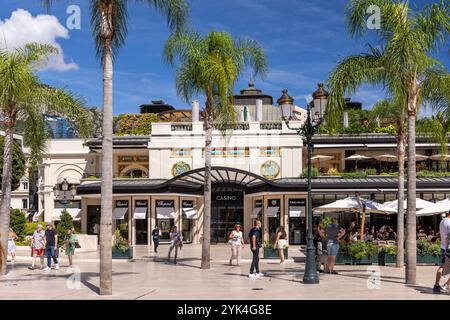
(282, 243)
(11, 246)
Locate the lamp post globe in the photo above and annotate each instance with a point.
(286, 104)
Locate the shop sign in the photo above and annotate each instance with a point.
(187, 204)
(297, 202)
(141, 203)
(273, 203)
(234, 197)
(258, 203)
(122, 204)
(165, 203)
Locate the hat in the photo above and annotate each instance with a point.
(49, 224)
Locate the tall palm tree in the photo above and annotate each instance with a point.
(393, 110)
(210, 65)
(24, 98)
(408, 38)
(109, 21)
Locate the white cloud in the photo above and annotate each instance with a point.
(22, 28)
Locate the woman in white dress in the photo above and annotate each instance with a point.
(12, 237)
(237, 242)
(281, 242)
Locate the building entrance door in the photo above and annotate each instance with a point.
(227, 209)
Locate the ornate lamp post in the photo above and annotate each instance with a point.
(62, 192)
(315, 113)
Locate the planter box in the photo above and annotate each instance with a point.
(428, 259)
(119, 254)
(343, 258)
(273, 254)
(384, 259)
(366, 260)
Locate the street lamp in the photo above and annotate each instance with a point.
(317, 107)
(64, 200)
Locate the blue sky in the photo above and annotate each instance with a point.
(303, 40)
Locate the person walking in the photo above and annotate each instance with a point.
(51, 247)
(37, 246)
(333, 233)
(255, 243)
(156, 234)
(237, 242)
(12, 237)
(444, 231)
(281, 242)
(70, 242)
(317, 241)
(175, 243)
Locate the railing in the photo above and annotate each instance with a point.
(181, 127)
(270, 125)
(98, 176)
(235, 126)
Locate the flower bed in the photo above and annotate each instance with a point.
(121, 248)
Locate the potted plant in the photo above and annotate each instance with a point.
(363, 252)
(272, 253)
(121, 248)
(343, 256)
(428, 254)
(387, 254)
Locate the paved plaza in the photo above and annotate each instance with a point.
(148, 276)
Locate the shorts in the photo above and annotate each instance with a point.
(332, 248)
(442, 262)
(282, 243)
(38, 252)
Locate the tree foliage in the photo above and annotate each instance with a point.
(17, 223)
(18, 163)
(134, 124)
(65, 224)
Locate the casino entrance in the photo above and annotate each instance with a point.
(227, 209)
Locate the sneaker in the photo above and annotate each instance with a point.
(56, 267)
(320, 271)
(334, 272)
(260, 274)
(31, 268)
(253, 276)
(47, 269)
(438, 289)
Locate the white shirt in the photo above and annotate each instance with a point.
(444, 230)
(236, 237)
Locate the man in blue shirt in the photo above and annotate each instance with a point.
(255, 243)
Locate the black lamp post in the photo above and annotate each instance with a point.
(317, 107)
(61, 193)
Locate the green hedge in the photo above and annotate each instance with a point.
(17, 223)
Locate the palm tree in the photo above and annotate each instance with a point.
(408, 38)
(393, 110)
(211, 65)
(24, 98)
(109, 21)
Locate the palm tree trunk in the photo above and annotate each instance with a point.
(107, 171)
(411, 243)
(6, 193)
(401, 194)
(206, 254)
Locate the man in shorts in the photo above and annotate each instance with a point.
(444, 230)
(333, 233)
(37, 246)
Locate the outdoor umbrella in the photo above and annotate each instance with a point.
(435, 208)
(386, 158)
(356, 203)
(356, 158)
(319, 157)
(445, 157)
(420, 204)
(421, 157)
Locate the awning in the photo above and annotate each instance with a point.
(191, 213)
(75, 213)
(37, 215)
(255, 213)
(119, 213)
(165, 213)
(140, 213)
(272, 212)
(296, 211)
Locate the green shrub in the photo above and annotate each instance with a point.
(18, 164)
(371, 172)
(354, 175)
(30, 227)
(332, 172)
(25, 242)
(326, 221)
(314, 172)
(359, 249)
(390, 249)
(434, 249)
(17, 222)
(422, 247)
(65, 223)
(120, 244)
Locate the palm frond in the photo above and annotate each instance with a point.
(176, 12)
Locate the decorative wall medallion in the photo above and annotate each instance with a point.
(270, 169)
(180, 168)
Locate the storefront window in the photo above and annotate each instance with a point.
(141, 221)
(165, 217)
(189, 212)
(121, 218)
(273, 216)
(297, 221)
